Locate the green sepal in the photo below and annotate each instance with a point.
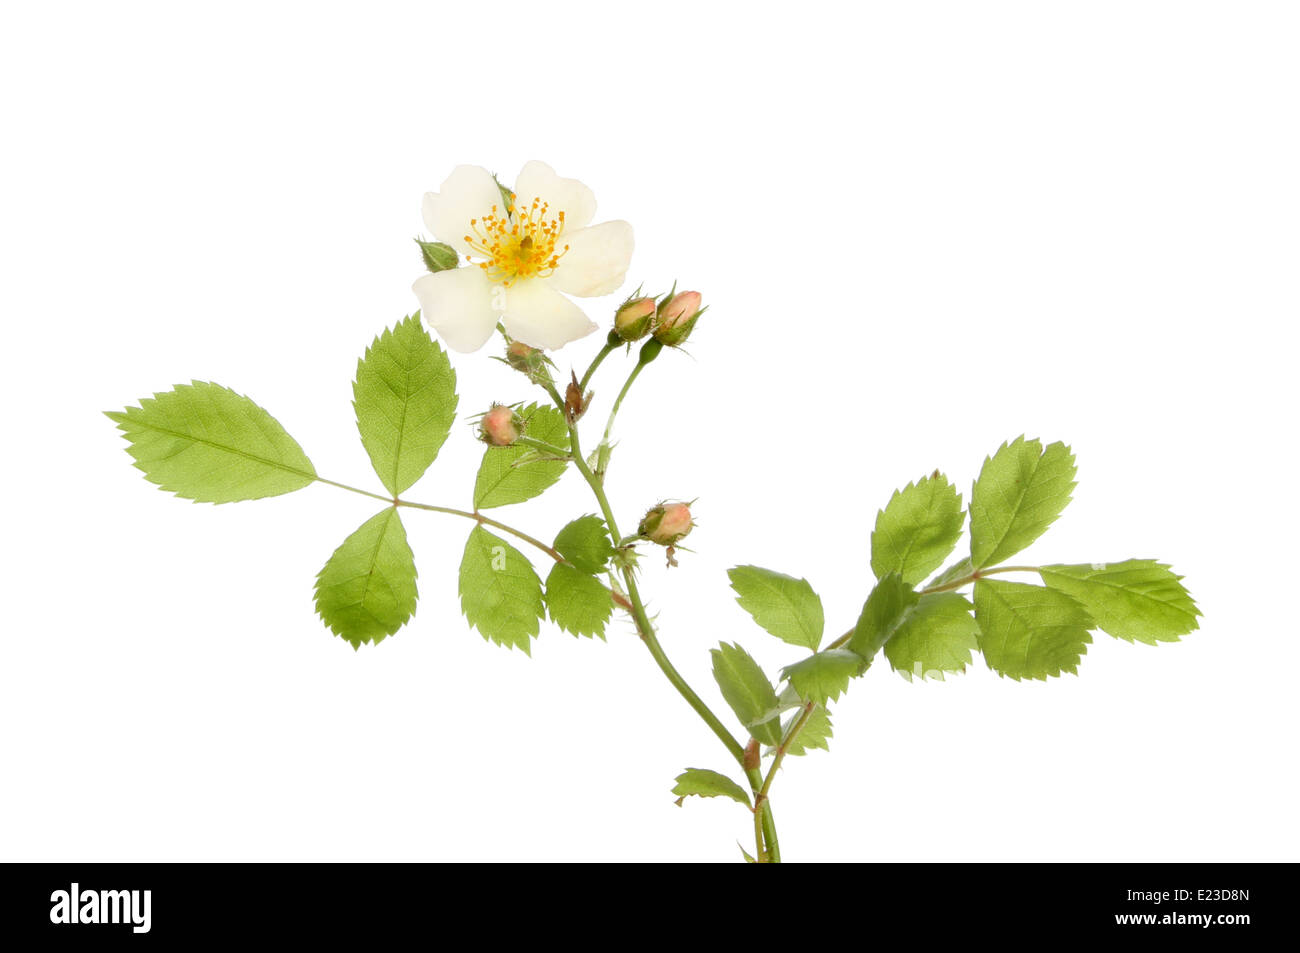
(437, 256)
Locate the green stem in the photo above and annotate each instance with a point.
(642, 618)
(611, 345)
(974, 577)
(487, 521)
(353, 489)
(789, 738)
(646, 630)
(544, 447)
(618, 402)
(946, 587)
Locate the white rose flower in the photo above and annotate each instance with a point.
(522, 264)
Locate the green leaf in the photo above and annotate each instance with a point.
(367, 589)
(1020, 492)
(500, 593)
(917, 530)
(1029, 631)
(784, 606)
(705, 783)
(1137, 600)
(748, 691)
(405, 399)
(578, 603)
(585, 543)
(825, 675)
(501, 482)
(816, 732)
(206, 443)
(937, 636)
(882, 614)
(437, 256)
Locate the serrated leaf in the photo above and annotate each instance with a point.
(366, 590)
(405, 400)
(816, 732)
(585, 543)
(883, 612)
(500, 593)
(748, 691)
(1020, 492)
(823, 676)
(577, 602)
(784, 606)
(1030, 631)
(503, 479)
(917, 530)
(702, 782)
(1137, 600)
(206, 443)
(937, 636)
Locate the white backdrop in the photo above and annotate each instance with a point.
(922, 229)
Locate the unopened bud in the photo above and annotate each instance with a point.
(500, 427)
(632, 321)
(666, 523)
(528, 360)
(677, 317)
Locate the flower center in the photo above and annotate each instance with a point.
(517, 245)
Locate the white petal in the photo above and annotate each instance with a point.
(538, 180)
(596, 261)
(469, 192)
(540, 316)
(461, 304)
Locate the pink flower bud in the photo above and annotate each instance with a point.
(677, 317)
(519, 354)
(667, 523)
(500, 426)
(632, 321)
(528, 360)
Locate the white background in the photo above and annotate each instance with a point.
(922, 229)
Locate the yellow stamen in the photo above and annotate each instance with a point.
(525, 244)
